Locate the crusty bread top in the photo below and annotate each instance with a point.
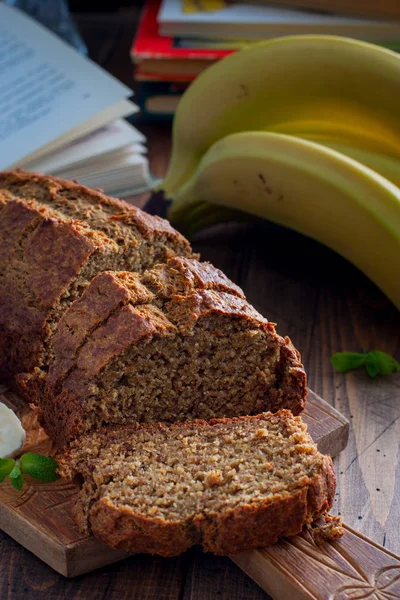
(183, 275)
(41, 255)
(28, 185)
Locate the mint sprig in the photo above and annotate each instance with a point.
(37, 466)
(16, 478)
(375, 362)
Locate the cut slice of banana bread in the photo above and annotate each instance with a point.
(178, 342)
(48, 256)
(229, 484)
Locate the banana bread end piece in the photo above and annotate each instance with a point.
(55, 236)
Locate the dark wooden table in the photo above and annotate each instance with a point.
(325, 305)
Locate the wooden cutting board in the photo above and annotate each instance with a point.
(39, 517)
(296, 568)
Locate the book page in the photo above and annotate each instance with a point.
(111, 137)
(123, 108)
(47, 87)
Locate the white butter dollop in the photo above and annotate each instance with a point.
(12, 434)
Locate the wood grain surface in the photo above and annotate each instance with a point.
(39, 516)
(299, 568)
(326, 306)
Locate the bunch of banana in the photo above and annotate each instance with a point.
(327, 89)
(309, 188)
(304, 131)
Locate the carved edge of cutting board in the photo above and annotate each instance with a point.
(39, 517)
(327, 426)
(298, 568)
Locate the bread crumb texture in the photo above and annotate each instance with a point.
(161, 489)
(331, 531)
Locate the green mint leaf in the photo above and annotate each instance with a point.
(384, 363)
(345, 361)
(39, 467)
(6, 466)
(376, 362)
(16, 478)
(371, 367)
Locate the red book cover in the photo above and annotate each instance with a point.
(148, 44)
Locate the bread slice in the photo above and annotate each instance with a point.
(178, 342)
(229, 485)
(55, 236)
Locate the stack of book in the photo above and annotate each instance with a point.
(175, 41)
(165, 65)
(61, 114)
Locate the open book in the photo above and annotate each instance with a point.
(61, 114)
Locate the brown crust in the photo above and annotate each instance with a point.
(227, 532)
(105, 294)
(148, 225)
(54, 255)
(204, 276)
(292, 377)
(88, 318)
(128, 326)
(235, 530)
(182, 275)
(61, 410)
(41, 256)
(16, 219)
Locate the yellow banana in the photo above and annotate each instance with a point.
(307, 187)
(343, 90)
(386, 166)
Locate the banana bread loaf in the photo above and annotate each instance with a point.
(55, 236)
(95, 334)
(229, 485)
(178, 342)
